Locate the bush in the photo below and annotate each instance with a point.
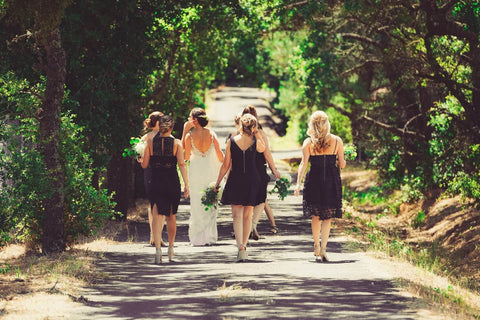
(23, 183)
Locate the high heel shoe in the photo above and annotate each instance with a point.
(242, 254)
(274, 230)
(254, 235)
(323, 255)
(171, 253)
(317, 252)
(158, 256)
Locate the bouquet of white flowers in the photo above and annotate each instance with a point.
(281, 187)
(136, 149)
(210, 197)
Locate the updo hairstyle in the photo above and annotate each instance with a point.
(236, 119)
(200, 115)
(251, 110)
(248, 123)
(166, 124)
(319, 130)
(152, 119)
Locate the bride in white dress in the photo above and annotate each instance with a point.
(203, 150)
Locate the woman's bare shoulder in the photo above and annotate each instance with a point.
(307, 141)
(334, 137)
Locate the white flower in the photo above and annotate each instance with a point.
(140, 147)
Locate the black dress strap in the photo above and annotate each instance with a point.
(335, 149)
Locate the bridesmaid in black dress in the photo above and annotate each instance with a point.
(241, 189)
(148, 126)
(262, 159)
(162, 154)
(322, 193)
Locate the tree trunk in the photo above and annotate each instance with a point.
(53, 235)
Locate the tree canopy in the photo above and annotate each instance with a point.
(398, 78)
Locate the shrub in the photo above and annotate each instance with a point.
(23, 183)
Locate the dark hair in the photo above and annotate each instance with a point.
(251, 110)
(152, 119)
(200, 115)
(166, 123)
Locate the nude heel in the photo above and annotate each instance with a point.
(171, 253)
(323, 255)
(242, 254)
(316, 251)
(158, 256)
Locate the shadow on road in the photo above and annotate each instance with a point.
(280, 280)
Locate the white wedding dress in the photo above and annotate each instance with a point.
(203, 171)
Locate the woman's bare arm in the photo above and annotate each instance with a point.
(303, 165)
(227, 162)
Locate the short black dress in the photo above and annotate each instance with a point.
(162, 184)
(243, 182)
(264, 177)
(322, 192)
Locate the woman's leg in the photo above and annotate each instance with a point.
(325, 229)
(171, 228)
(271, 218)
(172, 232)
(157, 226)
(257, 212)
(326, 225)
(150, 222)
(237, 215)
(247, 223)
(316, 234)
(158, 221)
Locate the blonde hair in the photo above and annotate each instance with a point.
(248, 122)
(166, 124)
(319, 130)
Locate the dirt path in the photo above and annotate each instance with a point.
(280, 280)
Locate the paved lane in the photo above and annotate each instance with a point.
(281, 280)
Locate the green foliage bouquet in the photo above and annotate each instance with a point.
(136, 149)
(210, 197)
(281, 187)
(350, 151)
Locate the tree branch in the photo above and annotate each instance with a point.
(364, 64)
(296, 4)
(447, 6)
(392, 129)
(354, 36)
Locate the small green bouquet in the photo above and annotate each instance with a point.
(350, 151)
(136, 149)
(281, 187)
(210, 197)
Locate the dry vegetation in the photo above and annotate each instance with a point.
(438, 236)
(33, 286)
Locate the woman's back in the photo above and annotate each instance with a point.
(201, 139)
(163, 154)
